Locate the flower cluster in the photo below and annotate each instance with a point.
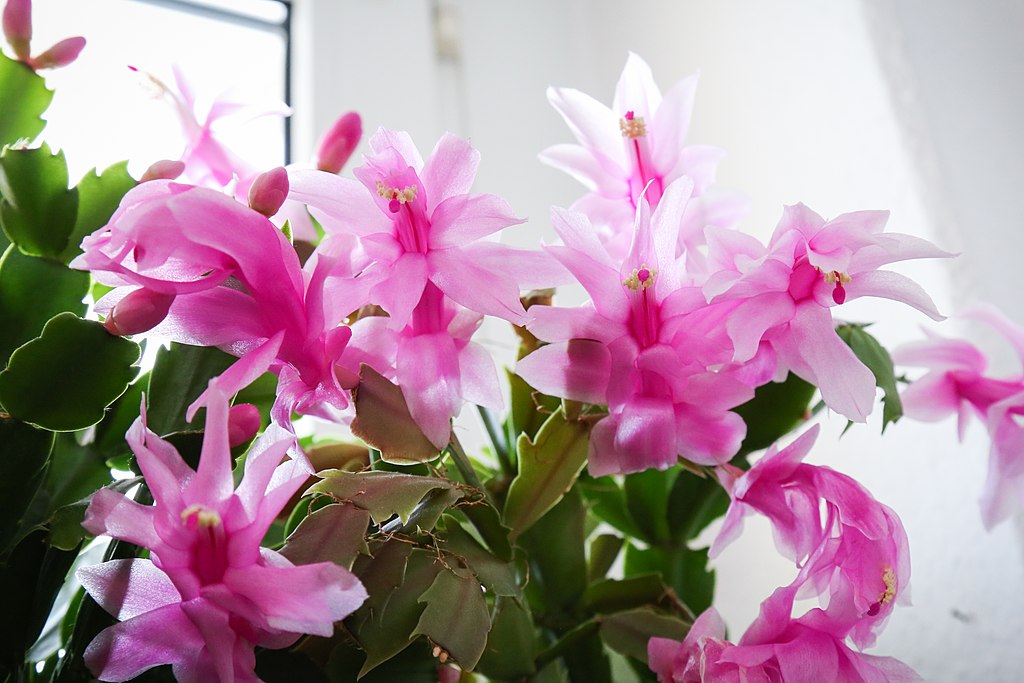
(852, 554)
(675, 335)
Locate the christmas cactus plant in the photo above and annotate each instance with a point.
(179, 519)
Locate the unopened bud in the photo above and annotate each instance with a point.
(17, 22)
(165, 169)
(61, 54)
(243, 423)
(338, 143)
(140, 311)
(268, 192)
(448, 674)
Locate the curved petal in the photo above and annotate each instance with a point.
(591, 168)
(474, 286)
(812, 349)
(120, 517)
(593, 124)
(128, 588)
(126, 649)
(479, 377)
(671, 124)
(889, 285)
(339, 204)
(577, 369)
(428, 373)
(646, 435)
(464, 218)
(450, 170)
(636, 90)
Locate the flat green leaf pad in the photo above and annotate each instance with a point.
(65, 379)
(37, 210)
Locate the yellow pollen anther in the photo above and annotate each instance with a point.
(889, 578)
(204, 516)
(833, 276)
(404, 195)
(640, 278)
(632, 127)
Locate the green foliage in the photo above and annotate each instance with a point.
(33, 290)
(512, 644)
(878, 360)
(383, 421)
(63, 380)
(383, 494)
(776, 409)
(627, 632)
(335, 533)
(548, 467)
(25, 98)
(23, 466)
(180, 375)
(37, 210)
(456, 616)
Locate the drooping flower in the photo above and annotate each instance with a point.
(234, 282)
(17, 25)
(417, 223)
(852, 550)
(957, 384)
(209, 162)
(787, 290)
(637, 147)
(208, 594)
(432, 359)
(642, 346)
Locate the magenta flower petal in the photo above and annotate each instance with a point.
(162, 636)
(450, 170)
(815, 352)
(475, 287)
(578, 369)
(889, 285)
(464, 218)
(479, 377)
(113, 514)
(128, 588)
(428, 366)
(340, 204)
(17, 24)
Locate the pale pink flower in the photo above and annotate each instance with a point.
(642, 346)
(957, 384)
(638, 147)
(209, 162)
(786, 292)
(235, 283)
(432, 360)
(208, 594)
(417, 223)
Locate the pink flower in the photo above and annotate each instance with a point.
(432, 360)
(417, 223)
(17, 25)
(209, 162)
(642, 346)
(852, 550)
(236, 284)
(208, 594)
(638, 143)
(956, 384)
(786, 291)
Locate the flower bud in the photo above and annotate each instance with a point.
(165, 169)
(338, 143)
(268, 192)
(140, 311)
(61, 54)
(243, 423)
(17, 22)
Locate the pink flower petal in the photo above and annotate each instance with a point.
(339, 204)
(593, 124)
(116, 515)
(671, 124)
(889, 285)
(450, 170)
(463, 218)
(577, 369)
(128, 588)
(126, 649)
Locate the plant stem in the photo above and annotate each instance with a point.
(498, 439)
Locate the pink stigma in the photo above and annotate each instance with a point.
(874, 609)
(629, 115)
(394, 205)
(839, 294)
(643, 275)
(133, 68)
